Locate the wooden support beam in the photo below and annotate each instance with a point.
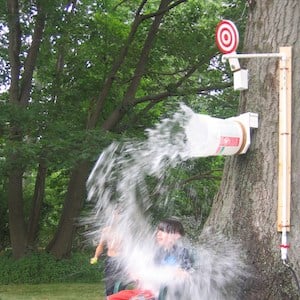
(284, 154)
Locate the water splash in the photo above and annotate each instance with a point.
(119, 179)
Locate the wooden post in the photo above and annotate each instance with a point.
(284, 155)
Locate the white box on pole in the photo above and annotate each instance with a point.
(240, 80)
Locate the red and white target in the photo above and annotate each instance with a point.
(227, 36)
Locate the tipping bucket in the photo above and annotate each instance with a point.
(209, 136)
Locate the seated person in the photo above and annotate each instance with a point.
(169, 254)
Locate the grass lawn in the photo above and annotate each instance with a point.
(75, 291)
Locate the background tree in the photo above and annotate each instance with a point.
(19, 96)
(246, 204)
(81, 74)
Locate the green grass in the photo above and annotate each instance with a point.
(70, 291)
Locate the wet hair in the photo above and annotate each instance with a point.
(171, 226)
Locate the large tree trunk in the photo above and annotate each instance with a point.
(61, 244)
(38, 198)
(246, 205)
(19, 95)
(17, 228)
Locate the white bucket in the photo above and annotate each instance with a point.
(208, 136)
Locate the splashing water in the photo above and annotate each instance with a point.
(119, 179)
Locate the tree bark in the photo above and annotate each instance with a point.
(61, 244)
(246, 204)
(17, 226)
(38, 197)
(14, 48)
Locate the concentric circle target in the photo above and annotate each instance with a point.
(227, 36)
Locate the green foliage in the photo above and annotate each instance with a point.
(56, 186)
(43, 268)
(77, 53)
(187, 191)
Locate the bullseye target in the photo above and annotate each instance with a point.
(227, 36)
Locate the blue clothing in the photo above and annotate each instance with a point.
(176, 256)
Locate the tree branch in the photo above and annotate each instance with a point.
(30, 61)
(94, 116)
(183, 92)
(118, 113)
(139, 71)
(14, 48)
(203, 176)
(163, 10)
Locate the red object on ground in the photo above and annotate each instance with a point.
(128, 294)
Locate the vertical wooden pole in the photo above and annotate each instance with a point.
(284, 160)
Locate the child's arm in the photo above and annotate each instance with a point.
(100, 248)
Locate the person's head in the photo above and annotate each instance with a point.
(168, 232)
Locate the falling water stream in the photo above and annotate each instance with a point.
(119, 180)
